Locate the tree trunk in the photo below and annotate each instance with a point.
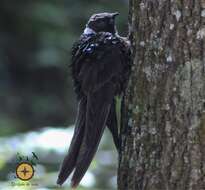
(163, 127)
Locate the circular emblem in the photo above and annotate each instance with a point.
(24, 171)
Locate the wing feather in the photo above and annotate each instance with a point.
(98, 108)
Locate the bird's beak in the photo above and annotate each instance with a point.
(114, 14)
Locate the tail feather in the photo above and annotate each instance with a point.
(98, 108)
(70, 160)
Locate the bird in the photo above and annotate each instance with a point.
(100, 67)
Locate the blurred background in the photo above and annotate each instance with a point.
(37, 103)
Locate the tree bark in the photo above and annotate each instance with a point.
(163, 127)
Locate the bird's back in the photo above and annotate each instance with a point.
(97, 58)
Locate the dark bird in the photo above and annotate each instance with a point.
(100, 70)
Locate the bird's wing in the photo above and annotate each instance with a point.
(104, 65)
(69, 161)
(96, 60)
(98, 107)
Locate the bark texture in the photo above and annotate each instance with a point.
(163, 127)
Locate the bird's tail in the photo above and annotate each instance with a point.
(69, 161)
(98, 108)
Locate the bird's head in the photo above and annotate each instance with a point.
(102, 22)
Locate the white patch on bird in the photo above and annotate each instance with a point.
(89, 31)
